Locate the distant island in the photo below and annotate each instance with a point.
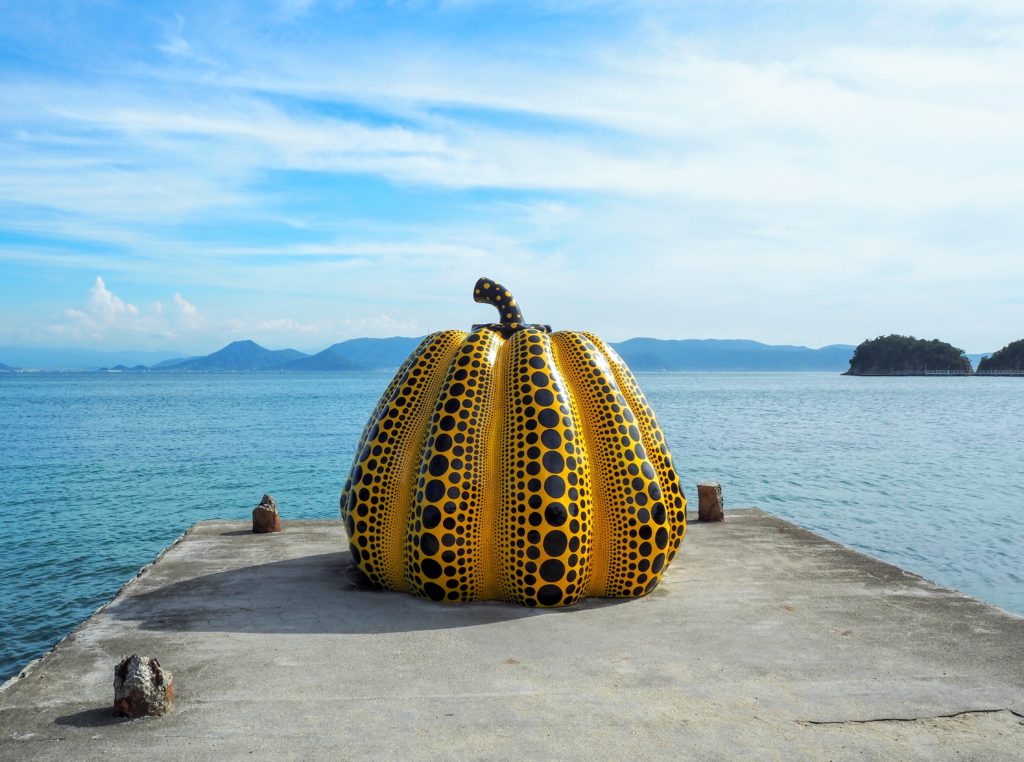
(125, 369)
(896, 355)
(1008, 359)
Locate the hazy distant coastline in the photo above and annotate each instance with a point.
(367, 354)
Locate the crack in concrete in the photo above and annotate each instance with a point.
(910, 719)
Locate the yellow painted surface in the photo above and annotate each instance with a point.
(529, 469)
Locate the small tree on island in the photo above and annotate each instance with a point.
(898, 355)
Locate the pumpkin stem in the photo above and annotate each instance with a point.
(488, 291)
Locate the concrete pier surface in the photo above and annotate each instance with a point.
(764, 641)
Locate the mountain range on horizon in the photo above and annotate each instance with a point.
(368, 354)
(365, 354)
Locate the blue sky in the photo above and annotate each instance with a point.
(177, 175)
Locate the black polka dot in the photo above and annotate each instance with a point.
(658, 513)
(556, 514)
(554, 486)
(438, 465)
(548, 418)
(552, 570)
(431, 516)
(434, 592)
(555, 542)
(431, 568)
(539, 378)
(549, 595)
(553, 462)
(429, 544)
(443, 443)
(544, 397)
(435, 490)
(551, 439)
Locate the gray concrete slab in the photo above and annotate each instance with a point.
(764, 641)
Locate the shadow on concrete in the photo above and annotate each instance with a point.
(236, 533)
(320, 594)
(97, 717)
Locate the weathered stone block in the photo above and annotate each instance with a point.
(142, 687)
(265, 517)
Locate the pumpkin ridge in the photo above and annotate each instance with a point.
(601, 550)
(418, 424)
(386, 465)
(492, 432)
(545, 529)
(444, 554)
(390, 392)
(636, 532)
(673, 497)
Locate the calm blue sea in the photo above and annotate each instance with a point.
(99, 472)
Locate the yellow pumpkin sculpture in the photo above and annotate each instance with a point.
(513, 464)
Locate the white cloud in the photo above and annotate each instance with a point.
(175, 43)
(188, 314)
(107, 317)
(176, 46)
(106, 307)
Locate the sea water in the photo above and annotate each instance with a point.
(99, 472)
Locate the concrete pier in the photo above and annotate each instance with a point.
(764, 641)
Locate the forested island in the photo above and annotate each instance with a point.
(1010, 357)
(896, 355)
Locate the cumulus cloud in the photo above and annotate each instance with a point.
(108, 308)
(106, 316)
(188, 313)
